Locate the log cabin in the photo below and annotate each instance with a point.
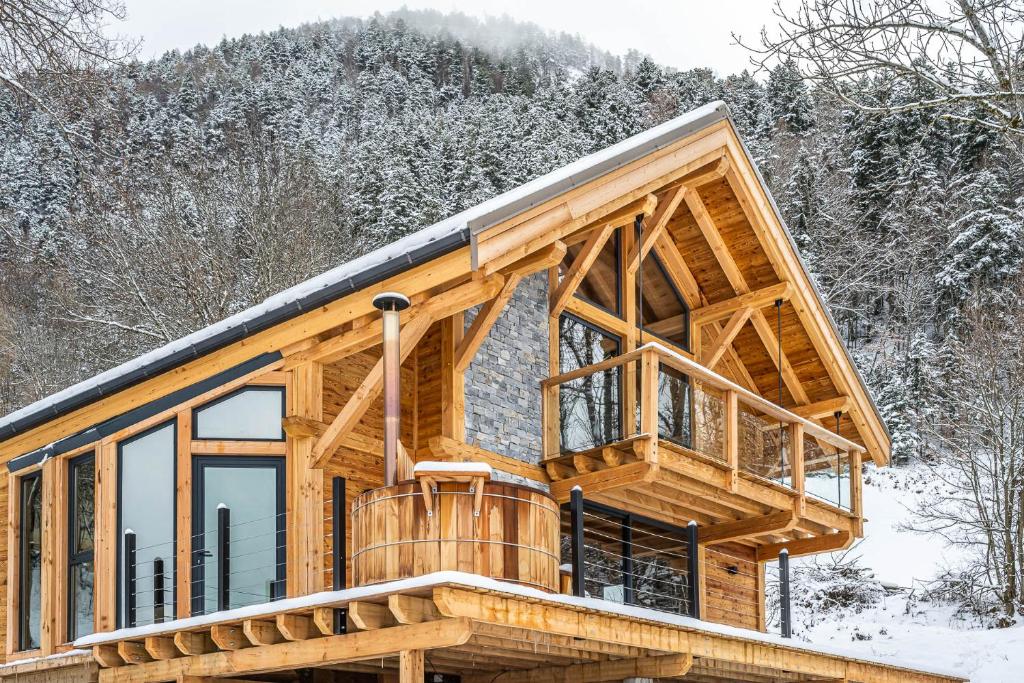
(570, 434)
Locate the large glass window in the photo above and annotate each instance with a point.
(30, 559)
(81, 526)
(600, 285)
(147, 508)
(251, 414)
(252, 490)
(590, 407)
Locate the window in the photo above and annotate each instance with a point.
(81, 518)
(590, 406)
(661, 309)
(600, 286)
(146, 507)
(252, 489)
(30, 560)
(250, 414)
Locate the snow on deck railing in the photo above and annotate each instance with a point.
(473, 581)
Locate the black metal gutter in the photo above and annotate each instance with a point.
(315, 300)
(145, 411)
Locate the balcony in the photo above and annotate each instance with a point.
(654, 432)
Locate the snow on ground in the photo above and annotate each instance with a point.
(901, 625)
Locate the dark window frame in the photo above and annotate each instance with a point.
(620, 379)
(628, 520)
(23, 588)
(199, 462)
(118, 588)
(615, 239)
(230, 395)
(77, 558)
(679, 297)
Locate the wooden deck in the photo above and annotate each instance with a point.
(477, 633)
(685, 485)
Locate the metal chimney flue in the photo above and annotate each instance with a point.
(390, 304)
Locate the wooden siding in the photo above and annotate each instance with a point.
(732, 594)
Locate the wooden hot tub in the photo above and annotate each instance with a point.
(515, 536)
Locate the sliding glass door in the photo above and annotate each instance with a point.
(252, 490)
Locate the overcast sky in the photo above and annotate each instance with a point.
(679, 33)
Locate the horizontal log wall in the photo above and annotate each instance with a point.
(732, 593)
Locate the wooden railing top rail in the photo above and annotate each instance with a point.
(696, 370)
(591, 369)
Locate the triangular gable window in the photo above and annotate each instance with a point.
(662, 311)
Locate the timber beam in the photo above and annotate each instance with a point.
(712, 354)
(366, 334)
(313, 652)
(416, 326)
(580, 267)
(660, 666)
(778, 522)
(806, 546)
(758, 298)
(484, 321)
(659, 221)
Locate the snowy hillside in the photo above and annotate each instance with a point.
(892, 616)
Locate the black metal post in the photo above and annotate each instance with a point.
(786, 618)
(693, 568)
(628, 581)
(129, 578)
(338, 549)
(223, 557)
(576, 521)
(158, 590)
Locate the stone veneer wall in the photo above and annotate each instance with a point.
(503, 382)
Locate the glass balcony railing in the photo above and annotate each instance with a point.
(699, 411)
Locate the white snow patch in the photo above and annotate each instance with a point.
(443, 467)
(902, 560)
(329, 598)
(35, 660)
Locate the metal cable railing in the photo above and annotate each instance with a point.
(236, 563)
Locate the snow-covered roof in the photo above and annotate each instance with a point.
(389, 260)
(419, 247)
(464, 579)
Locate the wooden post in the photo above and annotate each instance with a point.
(648, 403)
(54, 539)
(857, 491)
(183, 528)
(453, 382)
(410, 666)
(732, 437)
(631, 379)
(552, 434)
(105, 554)
(796, 460)
(305, 486)
(693, 567)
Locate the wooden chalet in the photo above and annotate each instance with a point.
(566, 435)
